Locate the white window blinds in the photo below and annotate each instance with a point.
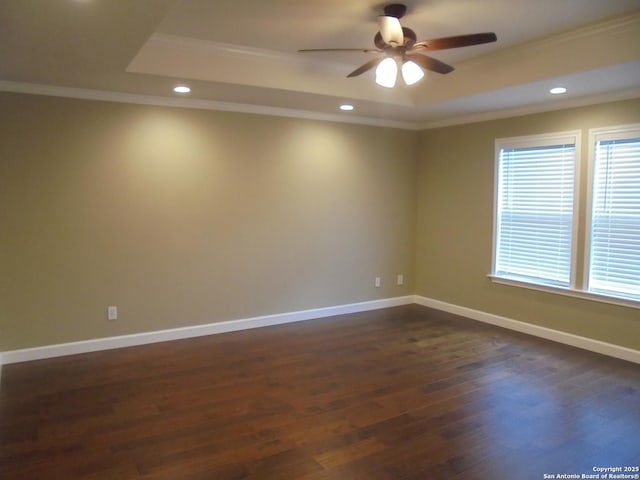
(614, 264)
(535, 212)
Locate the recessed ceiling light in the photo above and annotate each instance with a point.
(345, 107)
(181, 89)
(558, 90)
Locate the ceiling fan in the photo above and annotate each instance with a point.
(399, 45)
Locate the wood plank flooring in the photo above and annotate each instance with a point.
(404, 393)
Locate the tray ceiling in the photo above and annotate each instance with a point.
(243, 56)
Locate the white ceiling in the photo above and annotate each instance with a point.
(242, 55)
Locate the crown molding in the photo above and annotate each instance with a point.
(533, 109)
(242, 51)
(139, 99)
(121, 97)
(614, 25)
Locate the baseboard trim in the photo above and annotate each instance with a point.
(585, 343)
(109, 343)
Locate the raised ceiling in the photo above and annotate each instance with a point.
(242, 55)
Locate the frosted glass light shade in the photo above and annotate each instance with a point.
(387, 72)
(411, 73)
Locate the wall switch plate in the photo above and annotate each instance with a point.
(112, 313)
(378, 282)
(400, 279)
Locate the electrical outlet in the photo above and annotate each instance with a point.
(400, 279)
(378, 282)
(112, 313)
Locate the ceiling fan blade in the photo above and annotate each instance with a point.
(457, 41)
(367, 66)
(344, 50)
(391, 30)
(432, 64)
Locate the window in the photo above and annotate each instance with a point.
(536, 214)
(613, 261)
(534, 218)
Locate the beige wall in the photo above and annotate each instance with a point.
(182, 217)
(455, 222)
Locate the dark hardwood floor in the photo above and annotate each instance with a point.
(402, 393)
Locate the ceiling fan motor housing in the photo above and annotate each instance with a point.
(397, 10)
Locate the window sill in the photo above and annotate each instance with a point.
(569, 292)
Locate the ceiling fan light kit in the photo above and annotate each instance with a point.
(398, 45)
(387, 72)
(411, 72)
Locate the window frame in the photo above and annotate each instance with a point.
(619, 132)
(581, 231)
(535, 141)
